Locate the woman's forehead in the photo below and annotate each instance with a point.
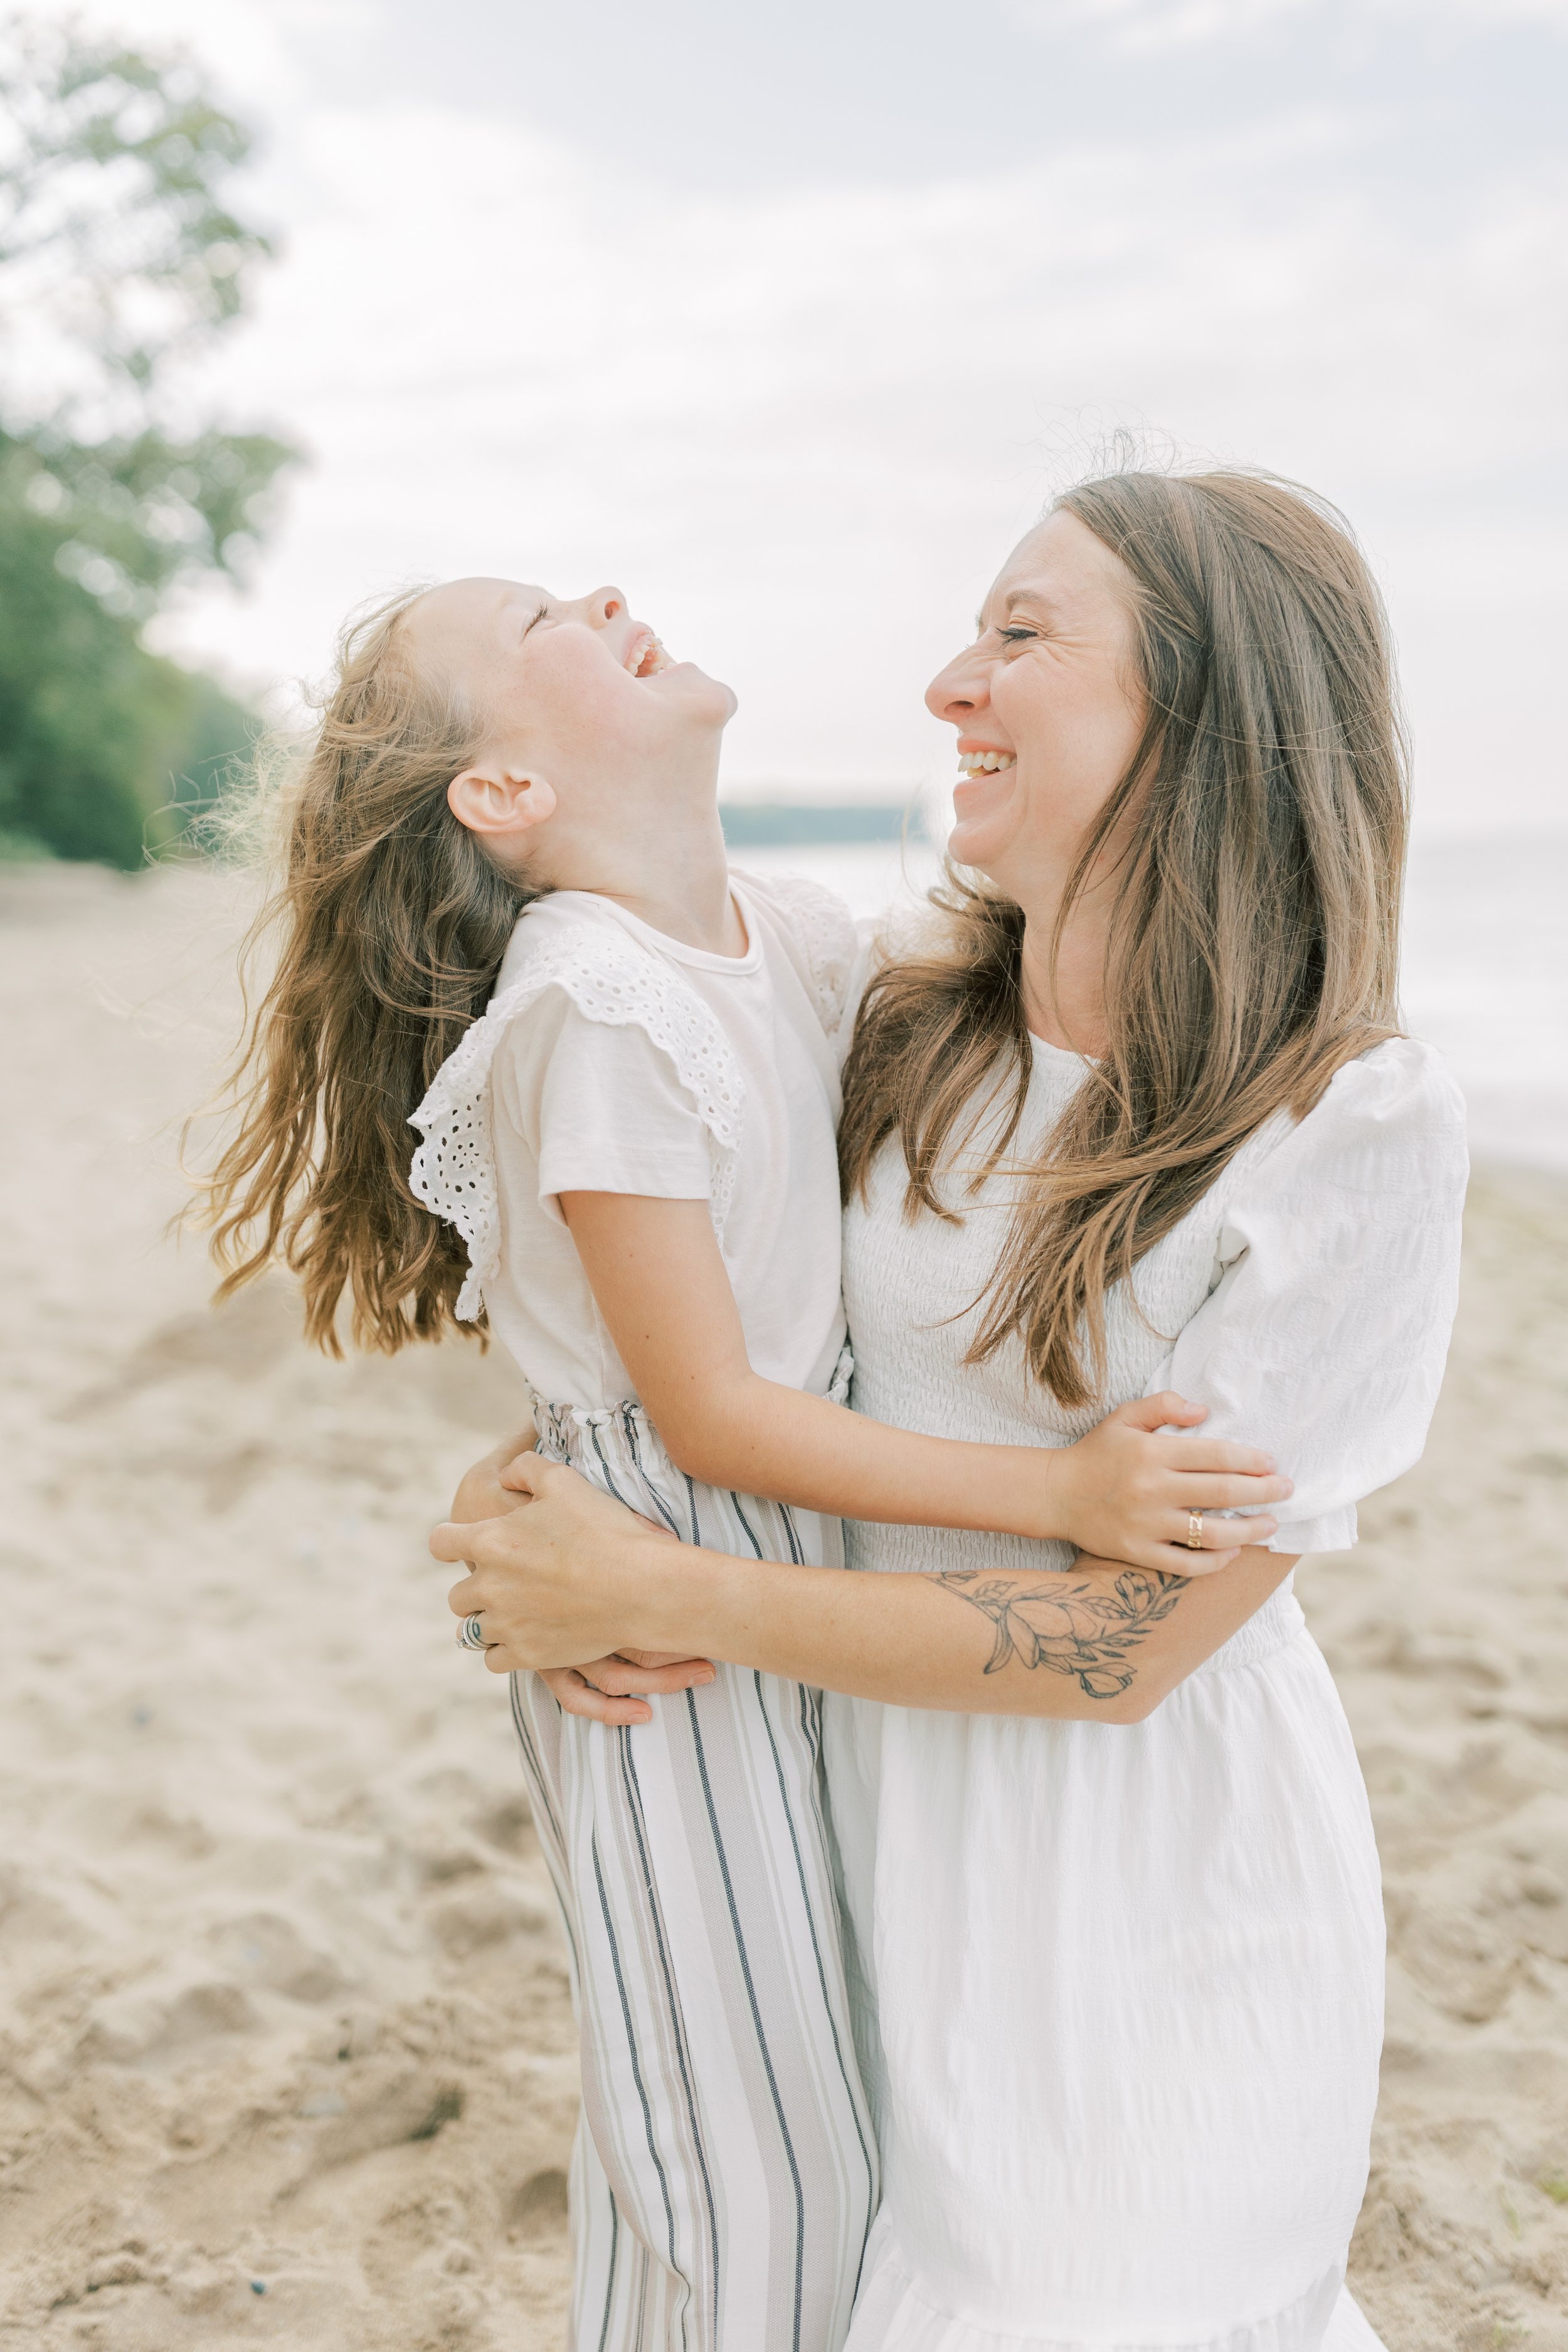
(1059, 563)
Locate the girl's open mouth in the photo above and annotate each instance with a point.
(645, 656)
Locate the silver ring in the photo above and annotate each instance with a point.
(471, 1635)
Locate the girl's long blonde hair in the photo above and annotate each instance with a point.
(1255, 940)
(386, 931)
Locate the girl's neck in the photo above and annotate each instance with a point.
(679, 885)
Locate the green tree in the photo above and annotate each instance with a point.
(120, 262)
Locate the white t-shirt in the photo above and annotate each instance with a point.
(614, 1059)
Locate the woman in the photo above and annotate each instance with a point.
(1138, 1117)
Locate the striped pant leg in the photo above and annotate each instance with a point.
(725, 2177)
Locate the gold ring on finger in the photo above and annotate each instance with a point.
(1194, 1531)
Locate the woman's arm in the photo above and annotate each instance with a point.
(1124, 1492)
(571, 1574)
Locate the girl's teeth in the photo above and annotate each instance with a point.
(975, 764)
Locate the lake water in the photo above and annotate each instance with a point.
(1486, 966)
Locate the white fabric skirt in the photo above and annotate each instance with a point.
(1119, 1998)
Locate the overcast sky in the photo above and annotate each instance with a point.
(789, 318)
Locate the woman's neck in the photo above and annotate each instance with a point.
(1065, 1004)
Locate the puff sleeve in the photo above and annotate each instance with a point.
(1325, 1335)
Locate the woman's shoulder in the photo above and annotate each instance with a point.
(1391, 1122)
(1402, 1089)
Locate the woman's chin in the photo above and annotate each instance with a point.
(976, 841)
(985, 813)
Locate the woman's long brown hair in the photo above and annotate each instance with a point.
(1254, 942)
(386, 931)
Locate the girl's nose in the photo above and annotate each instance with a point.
(602, 606)
(957, 692)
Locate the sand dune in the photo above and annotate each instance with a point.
(287, 2050)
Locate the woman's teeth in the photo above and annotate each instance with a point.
(978, 764)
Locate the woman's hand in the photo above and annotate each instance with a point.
(1127, 1492)
(522, 1614)
(571, 1575)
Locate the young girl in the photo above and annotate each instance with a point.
(512, 799)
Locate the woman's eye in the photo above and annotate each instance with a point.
(1017, 637)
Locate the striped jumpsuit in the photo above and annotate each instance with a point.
(725, 2173)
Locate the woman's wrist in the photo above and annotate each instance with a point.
(672, 1590)
(1031, 1496)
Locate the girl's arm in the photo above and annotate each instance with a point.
(571, 1574)
(1124, 1492)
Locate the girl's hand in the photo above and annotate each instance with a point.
(480, 1493)
(1126, 1493)
(605, 1690)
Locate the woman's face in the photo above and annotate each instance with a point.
(1047, 706)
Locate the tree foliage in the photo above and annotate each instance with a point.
(120, 262)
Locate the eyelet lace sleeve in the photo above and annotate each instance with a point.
(610, 980)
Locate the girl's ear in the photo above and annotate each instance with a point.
(500, 799)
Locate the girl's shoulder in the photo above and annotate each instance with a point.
(563, 929)
(816, 929)
(575, 943)
(570, 944)
(612, 980)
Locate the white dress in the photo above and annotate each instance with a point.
(1120, 1987)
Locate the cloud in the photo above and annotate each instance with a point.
(802, 425)
(1152, 25)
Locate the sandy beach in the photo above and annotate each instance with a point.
(288, 2054)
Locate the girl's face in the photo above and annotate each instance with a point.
(579, 703)
(1047, 704)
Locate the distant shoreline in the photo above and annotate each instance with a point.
(788, 824)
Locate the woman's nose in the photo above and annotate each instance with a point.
(957, 692)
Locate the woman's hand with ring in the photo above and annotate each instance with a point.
(1142, 1488)
(568, 1576)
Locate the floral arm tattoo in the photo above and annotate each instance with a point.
(1087, 1631)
